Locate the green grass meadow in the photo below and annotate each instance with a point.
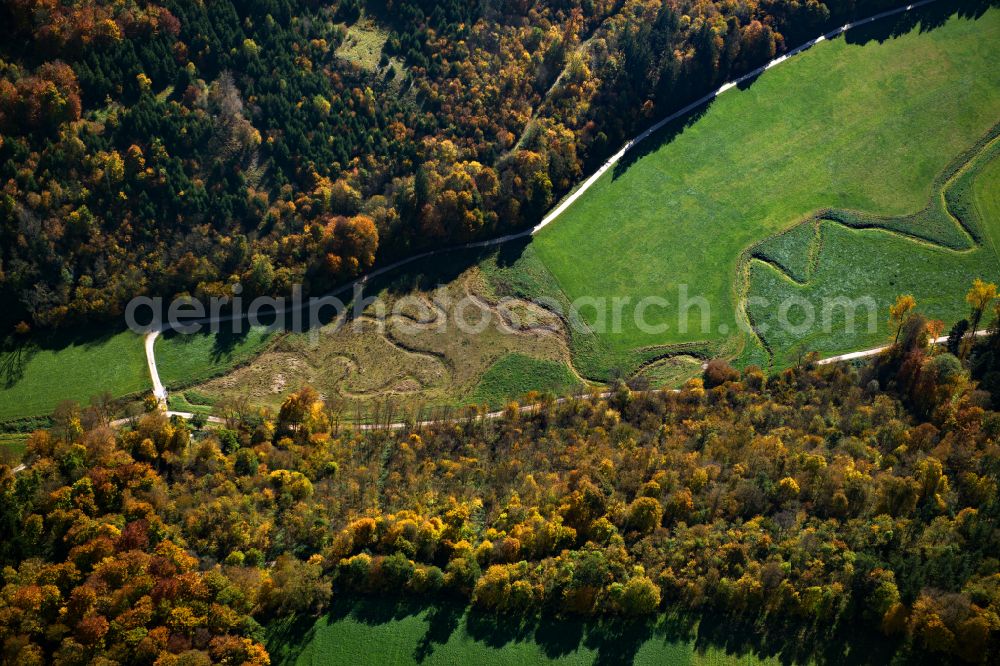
(184, 360)
(40, 373)
(880, 264)
(986, 199)
(862, 126)
(518, 271)
(514, 375)
(386, 633)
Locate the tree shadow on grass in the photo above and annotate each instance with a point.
(17, 351)
(225, 341)
(927, 18)
(14, 356)
(658, 139)
(286, 638)
(617, 641)
(792, 642)
(443, 620)
(614, 640)
(427, 274)
(423, 275)
(497, 631)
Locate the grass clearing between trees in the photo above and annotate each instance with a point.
(183, 360)
(418, 354)
(364, 45)
(13, 445)
(387, 632)
(671, 372)
(38, 373)
(864, 122)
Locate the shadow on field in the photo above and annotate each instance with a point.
(925, 19)
(662, 137)
(16, 351)
(432, 272)
(14, 356)
(614, 641)
(421, 275)
(224, 342)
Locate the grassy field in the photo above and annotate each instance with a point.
(38, 373)
(519, 272)
(515, 375)
(190, 401)
(364, 45)
(863, 122)
(385, 633)
(885, 262)
(986, 199)
(183, 360)
(671, 372)
(41, 372)
(12, 447)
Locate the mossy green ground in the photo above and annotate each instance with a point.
(190, 401)
(986, 198)
(183, 360)
(862, 126)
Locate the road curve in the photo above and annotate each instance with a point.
(158, 389)
(160, 392)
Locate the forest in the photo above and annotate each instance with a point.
(823, 498)
(178, 147)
